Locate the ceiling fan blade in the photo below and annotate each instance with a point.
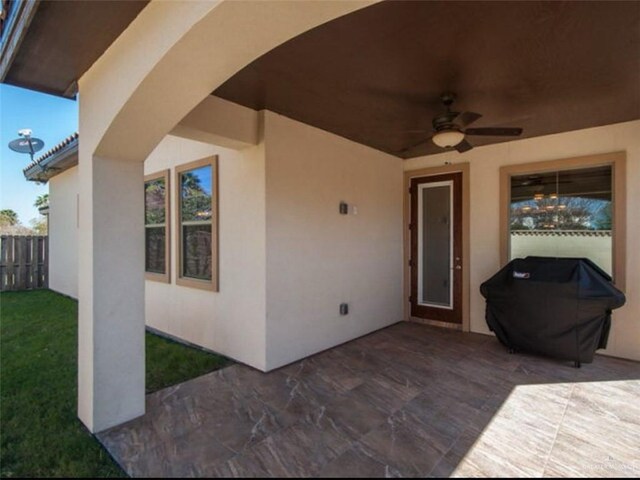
(494, 132)
(463, 146)
(467, 118)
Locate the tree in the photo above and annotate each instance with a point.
(603, 220)
(155, 192)
(10, 224)
(196, 202)
(563, 213)
(42, 201)
(8, 218)
(39, 225)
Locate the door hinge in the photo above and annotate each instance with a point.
(411, 262)
(411, 226)
(410, 298)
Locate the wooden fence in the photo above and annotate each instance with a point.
(24, 262)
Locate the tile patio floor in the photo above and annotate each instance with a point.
(408, 400)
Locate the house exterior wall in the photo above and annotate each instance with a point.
(287, 257)
(63, 233)
(317, 258)
(231, 321)
(485, 162)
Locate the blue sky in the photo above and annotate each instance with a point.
(51, 119)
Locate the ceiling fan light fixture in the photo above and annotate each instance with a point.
(448, 138)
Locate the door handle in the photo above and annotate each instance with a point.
(458, 267)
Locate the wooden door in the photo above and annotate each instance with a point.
(436, 248)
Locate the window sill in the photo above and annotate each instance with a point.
(195, 283)
(157, 277)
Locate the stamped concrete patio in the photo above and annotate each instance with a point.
(408, 400)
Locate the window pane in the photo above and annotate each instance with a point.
(196, 194)
(435, 249)
(155, 244)
(563, 214)
(196, 251)
(154, 201)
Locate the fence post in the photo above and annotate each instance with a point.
(29, 261)
(19, 262)
(45, 262)
(10, 263)
(3, 262)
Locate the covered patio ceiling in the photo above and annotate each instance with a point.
(54, 43)
(375, 76)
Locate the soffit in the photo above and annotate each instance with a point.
(64, 39)
(375, 75)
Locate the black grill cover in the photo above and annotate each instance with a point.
(560, 307)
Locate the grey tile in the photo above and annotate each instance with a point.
(354, 416)
(357, 462)
(393, 444)
(443, 469)
(386, 391)
(301, 450)
(240, 466)
(409, 400)
(131, 438)
(438, 428)
(297, 397)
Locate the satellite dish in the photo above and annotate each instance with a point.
(26, 144)
(22, 145)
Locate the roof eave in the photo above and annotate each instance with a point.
(18, 21)
(63, 159)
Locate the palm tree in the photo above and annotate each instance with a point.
(42, 201)
(8, 217)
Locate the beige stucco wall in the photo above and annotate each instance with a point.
(231, 321)
(63, 232)
(317, 258)
(485, 163)
(287, 257)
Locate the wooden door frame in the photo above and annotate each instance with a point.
(449, 315)
(428, 172)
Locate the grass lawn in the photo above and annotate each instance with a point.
(40, 435)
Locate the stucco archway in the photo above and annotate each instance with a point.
(170, 58)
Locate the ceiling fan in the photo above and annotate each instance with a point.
(449, 128)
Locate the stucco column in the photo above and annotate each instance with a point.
(169, 59)
(111, 363)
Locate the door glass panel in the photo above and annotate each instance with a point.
(434, 244)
